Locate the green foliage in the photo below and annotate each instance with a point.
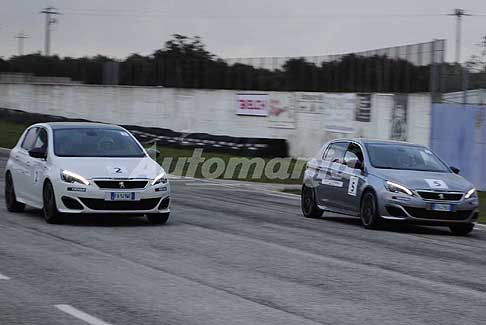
(184, 62)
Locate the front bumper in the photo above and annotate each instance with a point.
(394, 206)
(77, 199)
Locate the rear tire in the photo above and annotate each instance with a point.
(369, 215)
(49, 209)
(10, 198)
(308, 203)
(158, 218)
(461, 229)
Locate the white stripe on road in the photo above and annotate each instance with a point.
(3, 277)
(80, 315)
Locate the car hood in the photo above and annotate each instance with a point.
(111, 167)
(421, 180)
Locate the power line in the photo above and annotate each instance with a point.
(166, 14)
(20, 42)
(49, 21)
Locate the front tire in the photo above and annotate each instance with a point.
(308, 203)
(10, 198)
(49, 209)
(158, 218)
(369, 215)
(461, 229)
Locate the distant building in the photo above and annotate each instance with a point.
(473, 97)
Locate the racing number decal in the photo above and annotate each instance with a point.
(353, 185)
(437, 184)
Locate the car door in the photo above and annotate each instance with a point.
(38, 168)
(21, 161)
(330, 188)
(353, 179)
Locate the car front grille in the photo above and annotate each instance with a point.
(121, 184)
(102, 205)
(440, 196)
(438, 215)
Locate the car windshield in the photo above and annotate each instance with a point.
(95, 142)
(408, 157)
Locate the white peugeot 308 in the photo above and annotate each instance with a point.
(72, 168)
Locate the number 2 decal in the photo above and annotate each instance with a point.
(353, 185)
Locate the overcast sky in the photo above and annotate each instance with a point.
(238, 28)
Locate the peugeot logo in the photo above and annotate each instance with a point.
(121, 184)
(441, 196)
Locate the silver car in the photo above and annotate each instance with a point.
(380, 180)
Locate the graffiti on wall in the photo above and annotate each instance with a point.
(282, 111)
(399, 118)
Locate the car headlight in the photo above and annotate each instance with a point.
(471, 193)
(70, 177)
(160, 179)
(397, 188)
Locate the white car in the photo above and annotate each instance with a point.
(71, 168)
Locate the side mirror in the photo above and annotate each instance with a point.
(39, 153)
(153, 152)
(455, 170)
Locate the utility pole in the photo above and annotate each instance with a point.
(49, 11)
(458, 13)
(20, 42)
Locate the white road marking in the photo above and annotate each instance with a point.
(81, 315)
(206, 184)
(480, 227)
(3, 277)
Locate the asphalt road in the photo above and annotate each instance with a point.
(233, 255)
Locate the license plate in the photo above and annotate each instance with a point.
(441, 207)
(121, 196)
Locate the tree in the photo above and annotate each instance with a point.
(477, 62)
(184, 62)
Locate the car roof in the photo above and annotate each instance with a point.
(71, 125)
(376, 141)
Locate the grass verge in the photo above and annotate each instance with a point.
(10, 133)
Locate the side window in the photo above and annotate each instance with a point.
(29, 139)
(335, 152)
(41, 140)
(353, 155)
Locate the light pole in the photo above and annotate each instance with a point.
(459, 13)
(49, 21)
(20, 42)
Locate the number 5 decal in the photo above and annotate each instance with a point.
(353, 185)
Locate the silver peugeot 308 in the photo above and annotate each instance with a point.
(380, 180)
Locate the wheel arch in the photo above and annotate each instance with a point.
(367, 189)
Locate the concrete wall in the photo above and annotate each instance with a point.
(209, 111)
